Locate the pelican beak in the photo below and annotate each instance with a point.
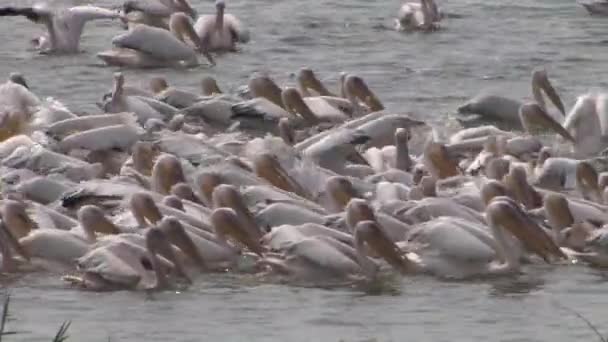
(492, 189)
(178, 236)
(157, 242)
(359, 87)
(437, 156)
(356, 158)
(358, 210)
(587, 181)
(341, 190)
(532, 115)
(225, 221)
(286, 132)
(207, 183)
(210, 87)
(143, 205)
(13, 242)
(376, 239)
(267, 167)
(516, 182)
(505, 212)
(263, 86)
(557, 211)
(541, 81)
(228, 196)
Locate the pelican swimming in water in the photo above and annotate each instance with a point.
(456, 248)
(503, 109)
(221, 31)
(421, 16)
(64, 26)
(145, 46)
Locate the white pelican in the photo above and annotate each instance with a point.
(122, 265)
(323, 258)
(146, 46)
(418, 16)
(456, 248)
(587, 121)
(119, 102)
(502, 109)
(221, 31)
(64, 27)
(54, 247)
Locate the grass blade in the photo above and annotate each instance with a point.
(61, 334)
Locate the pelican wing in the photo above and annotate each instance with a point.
(31, 13)
(156, 42)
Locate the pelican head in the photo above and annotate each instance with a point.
(497, 168)
(226, 224)
(16, 219)
(602, 180)
(358, 210)
(340, 190)
(543, 155)
(369, 233)
(266, 166)
(286, 132)
(264, 86)
(119, 82)
(540, 83)
(158, 85)
(438, 161)
(207, 182)
(587, 181)
(10, 242)
(308, 80)
(492, 189)
(18, 78)
(294, 104)
(504, 213)
(517, 183)
(209, 86)
(357, 87)
(176, 123)
(143, 207)
(428, 185)
(185, 7)
(418, 173)
(144, 154)
(173, 202)
(579, 235)
(341, 82)
(184, 191)
(558, 212)
(93, 220)
(177, 235)
(180, 25)
(157, 243)
(403, 161)
(533, 116)
(167, 171)
(227, 196)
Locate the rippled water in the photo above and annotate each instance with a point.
(484, 44)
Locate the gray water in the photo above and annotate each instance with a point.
(484, 44)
